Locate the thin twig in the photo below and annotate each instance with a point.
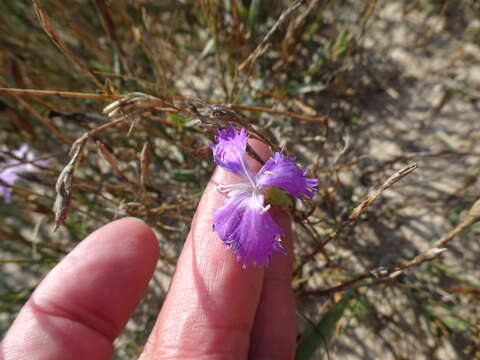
(35, 114)
(306, 118)
(108, 156)
(65, 94)
(64, 183)
(472, 217)
(390, 181)
(57, 40)
(144, 165)
(380, 275)
(260, 47)
(356, 213)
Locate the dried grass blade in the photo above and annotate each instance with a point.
(53, 35)
(260, 49)
(65, 94)
(144, 165)
(35, 114)
(390, 181)
(108, 156)
(63, 187)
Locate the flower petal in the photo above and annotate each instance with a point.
(283, 172)
(21, 152)
(230, 149)
(250, 233)
(10, 170)
(8, 175)
(6, 192)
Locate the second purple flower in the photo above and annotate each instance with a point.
(12, 168)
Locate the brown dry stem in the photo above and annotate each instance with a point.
(65, 94)
(63, 187)
(472, 217)
(261, 47)
(356, 213)
(381, 275)
(57, 40)
(110, 158)
(390, 181)
(144, 165)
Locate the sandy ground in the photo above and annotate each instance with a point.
(415, 115)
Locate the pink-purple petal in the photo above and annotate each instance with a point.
(283, 172)
(21, 151)
(251, 234)
(227, 219)
(9, 174)
(10, 170)
(229, 151)
(6, 192)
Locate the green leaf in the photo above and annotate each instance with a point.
(342, 43)
(323, 331)
(242, 12)
(253, 12)
(455, 324)
(185, 175)
(178, 119)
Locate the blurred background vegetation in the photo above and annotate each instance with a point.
(356, 90)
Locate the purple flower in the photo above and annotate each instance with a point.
(243, 223)
(10, 170)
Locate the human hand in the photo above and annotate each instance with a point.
(214, 309)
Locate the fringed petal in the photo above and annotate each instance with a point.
(283, 172)
(10, 170)
(229, 151)
(251, 233)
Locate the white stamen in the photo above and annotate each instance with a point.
(265, 209)
(247, 173)
(224, 188)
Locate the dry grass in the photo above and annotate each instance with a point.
(358, 91)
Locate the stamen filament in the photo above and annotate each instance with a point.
(265, 209)
(225, 188)
(247, 172)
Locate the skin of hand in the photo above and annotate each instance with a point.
(214, 308)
